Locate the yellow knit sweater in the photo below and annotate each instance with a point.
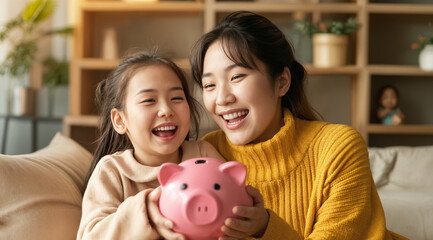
(315, 179)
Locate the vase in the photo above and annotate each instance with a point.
(23, 101)
(426, 58)
(110, 49)
(329, 50)
(20, 96)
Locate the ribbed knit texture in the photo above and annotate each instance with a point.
(315, 179)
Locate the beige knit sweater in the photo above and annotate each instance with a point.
(113, 201)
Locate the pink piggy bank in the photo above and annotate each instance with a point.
(200, 193)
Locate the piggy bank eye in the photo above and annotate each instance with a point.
(184, 186)
(216, 186)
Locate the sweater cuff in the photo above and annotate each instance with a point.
(278, 228)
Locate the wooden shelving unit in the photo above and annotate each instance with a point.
(363, 70)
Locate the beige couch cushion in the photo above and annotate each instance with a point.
(381, 163)
(40, 193)
(413, 169)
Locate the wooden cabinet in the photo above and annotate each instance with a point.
(379, 53)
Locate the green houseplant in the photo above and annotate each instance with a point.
(330, 40)
(23, 35)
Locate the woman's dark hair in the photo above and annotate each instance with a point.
(110, 94)
(244, 35)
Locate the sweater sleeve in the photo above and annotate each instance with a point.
(105, 215)
(278, 229)
(347, 203)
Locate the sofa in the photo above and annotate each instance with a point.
(40, 192)
(404, 179)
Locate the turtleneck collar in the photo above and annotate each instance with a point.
(270, 159)
(285, 132)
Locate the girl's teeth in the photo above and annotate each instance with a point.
(166, 128)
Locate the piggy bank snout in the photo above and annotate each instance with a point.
(201, 209)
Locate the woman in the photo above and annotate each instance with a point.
(314, 176)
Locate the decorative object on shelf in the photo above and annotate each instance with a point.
(22, 99)
(330, 40)
(426, 58)
(425, 48)
(388, 111)
(23, 35)
(110, 49)
(140, 0)
(55, 78)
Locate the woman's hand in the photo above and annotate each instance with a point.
(252, 221)
(162, 225)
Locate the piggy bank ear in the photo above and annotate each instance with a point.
(236, 170)
(166, 171)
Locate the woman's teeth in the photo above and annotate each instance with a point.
(232, 116)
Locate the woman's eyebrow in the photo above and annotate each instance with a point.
(228, 68)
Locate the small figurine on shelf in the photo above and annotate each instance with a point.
(388, 112)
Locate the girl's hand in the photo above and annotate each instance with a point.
(162, 225)
(252, 222)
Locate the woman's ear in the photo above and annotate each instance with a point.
(284, 81)
(117, 119)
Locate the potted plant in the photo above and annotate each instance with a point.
(425, 48)
(55, 76)
(23, 35)
(330, 40)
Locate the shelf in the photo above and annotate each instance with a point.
(397, 70)
(82, 129)
(166, 6)
(109, 64)
(281, 7)
(83, 120)
(400, 8)
(401, 129)
(344, 70)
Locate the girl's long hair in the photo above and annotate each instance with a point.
(110, 94)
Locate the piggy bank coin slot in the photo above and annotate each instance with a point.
(200, 161)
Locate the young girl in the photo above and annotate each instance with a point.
(145, 111)
(389, 113)
(314, 176)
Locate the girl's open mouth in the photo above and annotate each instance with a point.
(165, 131)
(235, 118)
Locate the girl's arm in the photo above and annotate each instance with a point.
(162, 225)
(106, 215)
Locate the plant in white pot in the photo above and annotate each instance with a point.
(330, 40)
(425, 48)
(23, 35)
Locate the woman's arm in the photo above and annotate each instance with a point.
(348, 206)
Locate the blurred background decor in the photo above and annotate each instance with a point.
(23, 34)
(425, 48)
(330, 40)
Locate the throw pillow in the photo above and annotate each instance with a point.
(40, 192)
(381, 163)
